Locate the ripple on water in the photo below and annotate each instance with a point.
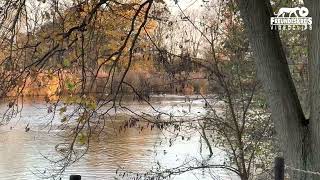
(21, 152)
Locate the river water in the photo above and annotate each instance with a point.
(22, 154)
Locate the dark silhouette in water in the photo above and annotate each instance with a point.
(27, 128)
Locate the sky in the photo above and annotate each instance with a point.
(184, 4)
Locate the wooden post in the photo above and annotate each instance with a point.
(75, 177)
(279, 168)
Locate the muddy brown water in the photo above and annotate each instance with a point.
(22, 153)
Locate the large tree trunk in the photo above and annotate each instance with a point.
(314, 87)
(273, 72)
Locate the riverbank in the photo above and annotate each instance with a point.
(144, 82)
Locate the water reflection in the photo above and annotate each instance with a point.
(21, 153)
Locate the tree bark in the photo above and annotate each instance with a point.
(274, 74)
(314, 86)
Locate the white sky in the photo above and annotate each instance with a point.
(184, 4)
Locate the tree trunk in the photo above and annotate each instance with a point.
(273, 72)
(314, 85)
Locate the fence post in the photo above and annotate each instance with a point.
(75, 177)
(279, 168)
